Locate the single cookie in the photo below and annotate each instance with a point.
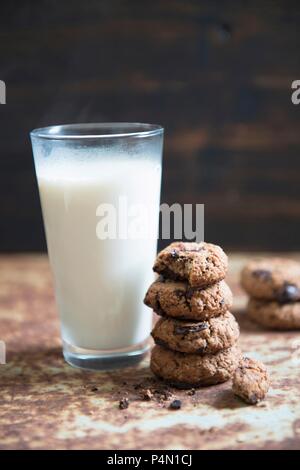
(251, 381)
(272, 279)
(275, 315)
(206, 337)
(200, 264)
(177, 299)
(191, 370)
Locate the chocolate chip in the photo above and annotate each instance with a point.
(160, 342)
(191, 392)
(262, 274)
(123, 403)
(94, 389)
(158, 309)
(168, 274)
(190, 292)
(253, 399)
(288, 293)
(179, 293)
(174, 254)
(175, 405)
(183, 330)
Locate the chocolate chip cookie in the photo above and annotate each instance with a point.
(206, 337)
(251, 381)
(179, 300)
(272, 279)
(274, 314)
(191, 370)
(200, 264)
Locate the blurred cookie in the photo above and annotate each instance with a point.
(275, 315)
(200, 264)
(272, 279)
(251, 381)
(191, 370)
(206, 337)
(179, 300)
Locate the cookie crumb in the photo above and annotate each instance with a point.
(251, 381)
(146, 394)
(191, 392)
(162, 394)
(175, 405)
(123, 403)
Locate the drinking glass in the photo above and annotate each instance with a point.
(99, 187)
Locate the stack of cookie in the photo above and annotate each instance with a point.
(274, 288)
(197, 335)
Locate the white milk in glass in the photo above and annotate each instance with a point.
(99, 284)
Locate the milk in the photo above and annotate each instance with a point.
(99, 284)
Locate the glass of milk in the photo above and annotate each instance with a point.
(99, 187)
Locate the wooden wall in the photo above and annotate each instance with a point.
(216, 74)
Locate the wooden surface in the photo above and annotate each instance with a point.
(216, 74)
(45, 403)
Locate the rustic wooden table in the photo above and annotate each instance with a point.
(45, 403)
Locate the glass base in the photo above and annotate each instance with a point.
(91, 359)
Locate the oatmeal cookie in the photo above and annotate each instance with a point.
(272, 279)
(179, 300)
(200, 264)
(206, 337)
(251, 381)
(275, 315)
(191, 370)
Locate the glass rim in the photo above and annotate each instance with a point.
(97, 131)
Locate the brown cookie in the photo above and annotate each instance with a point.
(275, 315)
(206, 337)
(272, 279)
(177, 299)
(191, 370)
(251, 381)
(200, 264)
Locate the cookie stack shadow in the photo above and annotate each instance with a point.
(196, 336)
(273, 285)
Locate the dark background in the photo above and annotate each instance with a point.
(216, 75)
